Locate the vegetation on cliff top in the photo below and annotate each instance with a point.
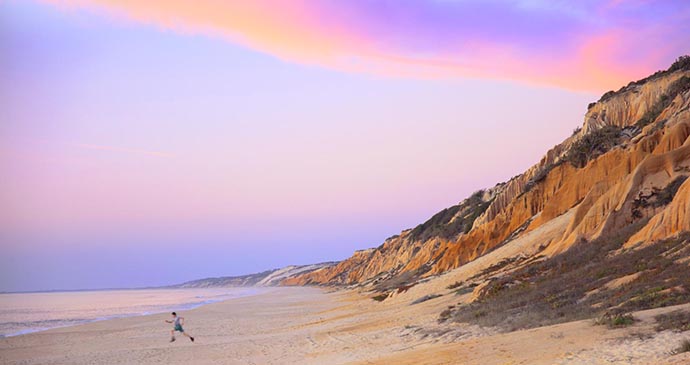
(453, 221)
(677, 87)
(602, 140)
(681, 63)
(593, 144)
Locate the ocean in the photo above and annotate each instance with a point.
(22, 313)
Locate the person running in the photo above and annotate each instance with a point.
(177, 326)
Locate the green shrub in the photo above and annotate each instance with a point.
(616, 320)
(623, 320)
(682, 63)
(593, 145)
(666, 195)
(679, 86)
(442, 224)
(380, 297)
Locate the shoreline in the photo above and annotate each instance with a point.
(118, 340)
(163, 308)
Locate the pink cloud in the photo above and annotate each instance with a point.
(591, 54)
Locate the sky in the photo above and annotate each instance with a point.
(150, 143)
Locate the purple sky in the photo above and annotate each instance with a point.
(149, 145)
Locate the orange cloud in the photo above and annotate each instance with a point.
(310, 33)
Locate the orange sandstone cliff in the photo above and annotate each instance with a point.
(627, 164)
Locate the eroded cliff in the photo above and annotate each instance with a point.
(627, 164)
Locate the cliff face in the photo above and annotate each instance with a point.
(626, 164)
(265, 278)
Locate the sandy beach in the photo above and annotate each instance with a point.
(313, 326)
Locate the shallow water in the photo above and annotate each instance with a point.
(22, 313)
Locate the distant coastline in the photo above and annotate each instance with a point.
(79, 290)
(25, 314)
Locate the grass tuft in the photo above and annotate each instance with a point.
(615, 320)
(678, 321)
(380, 297)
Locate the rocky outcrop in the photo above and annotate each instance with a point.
(624, 166)
(628, 105)
(278, 276)
(670, 221)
